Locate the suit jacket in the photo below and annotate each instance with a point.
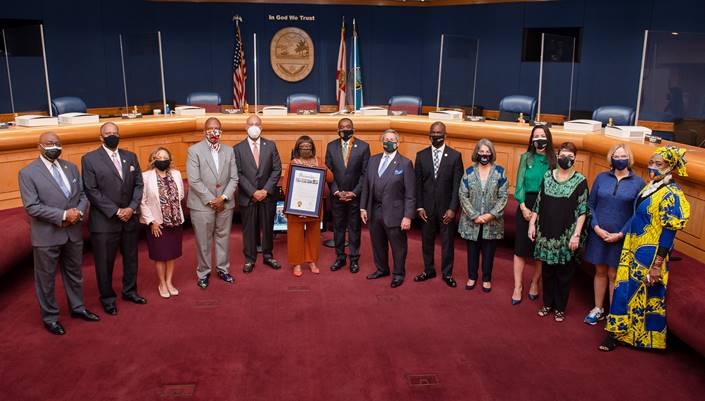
(45, 202)
(352, 176)
(398, 183)
(107, 192)
(440, 193)
(205, 181)
(253, 178)
(151, 208)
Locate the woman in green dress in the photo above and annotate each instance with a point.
(533, 164)
(638, 312)
(556, 227)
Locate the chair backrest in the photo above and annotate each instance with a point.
(67, 104)
(199, 98)
(410, 104)
(511, 106)
(621, 115)
(302, 101)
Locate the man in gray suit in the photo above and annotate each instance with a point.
(260, 169)
(53, 196)
(212, 178)
(388, 202)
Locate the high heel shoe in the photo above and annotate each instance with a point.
(533, 297)
(470, 286)
(314, 269)
(517, 301)
(297, 271)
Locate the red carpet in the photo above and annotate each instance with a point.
(335, 336)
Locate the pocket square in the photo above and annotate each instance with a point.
(132, 168)
(74, 180)
(398, 172)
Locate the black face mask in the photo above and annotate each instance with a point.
(162, 165)
(346, 134)
(52, 153)
(484, 159)
(540, 143)
(306, 153)
(565, 162)
(112, 141)
(437, 141)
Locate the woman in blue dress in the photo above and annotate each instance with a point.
(611, 204)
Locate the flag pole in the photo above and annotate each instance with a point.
(354, 67)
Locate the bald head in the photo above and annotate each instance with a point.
(110, 128)
(254, 120)
(49, 138)
(49, 145)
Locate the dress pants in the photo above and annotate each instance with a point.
(382, 237)
(556, 284)
(258, 219)
(210, 227)
(303, 237)
(429, 230)
(105, 247)
(68, 258)
(346, 217)
(487, 248)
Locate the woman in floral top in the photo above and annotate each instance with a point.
(556, 227)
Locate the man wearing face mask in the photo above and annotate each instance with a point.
(113, 183)
(439, 169)
(53, 196)
(387, 202)
(259, 171)
(212, 175)
(347, 158)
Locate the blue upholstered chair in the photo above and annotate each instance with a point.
(208, 100)
(302, 101)
(621, 115)
(410, 104)
(511, 106)
(67, 104)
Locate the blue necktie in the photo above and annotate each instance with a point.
(383, 165)
(57, 177)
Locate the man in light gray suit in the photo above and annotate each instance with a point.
(53, 196)
(212, 177)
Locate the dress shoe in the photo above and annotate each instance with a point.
(110, 309)
(486, 289)
(533, 297)
(377, 274)
(135, 298)
(339, 263)
(424, 276)
(516, 301)
(397, 282)
(248, 267)
(449, 280)
(470, 287)
(354, 266)
(86, 315)
(271, 262)
(314, 269)
(172, 290)
(163, 292)
(226, 277)
(203, 282)
(55, 328)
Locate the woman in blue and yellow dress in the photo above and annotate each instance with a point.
(638, 312)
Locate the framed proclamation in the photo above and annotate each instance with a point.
(305, 190)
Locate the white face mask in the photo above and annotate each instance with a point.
(253, 132)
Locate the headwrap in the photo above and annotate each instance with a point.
(674, 157)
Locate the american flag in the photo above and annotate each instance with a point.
(239, 69)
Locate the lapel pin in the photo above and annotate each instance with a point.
(445, 155)
(355, 145)
(124, 161)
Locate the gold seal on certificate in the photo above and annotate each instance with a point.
(305, 190)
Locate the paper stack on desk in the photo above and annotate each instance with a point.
(32, 120)
(78, 118)
(583, 125)
(446, 115)
(373, 111)
(627, 131)
(274, 111)
(189, 111)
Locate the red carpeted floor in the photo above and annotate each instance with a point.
(335, 336)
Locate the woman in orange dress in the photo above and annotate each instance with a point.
(304, 233)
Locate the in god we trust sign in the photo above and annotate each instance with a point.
(291, 54)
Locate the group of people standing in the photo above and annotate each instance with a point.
(629, 226)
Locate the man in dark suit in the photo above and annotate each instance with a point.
(52, 195)
(387, 202)
(439, 169)
(347, 158)
(259, 169)
(112, 180)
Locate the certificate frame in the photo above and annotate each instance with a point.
(298, 201)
